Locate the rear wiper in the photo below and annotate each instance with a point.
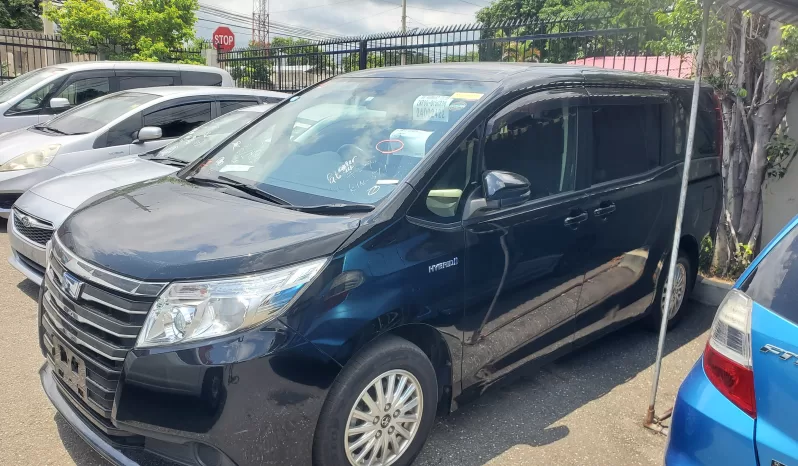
(332, 208)
(243, 187)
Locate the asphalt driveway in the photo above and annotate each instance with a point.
(585, 409)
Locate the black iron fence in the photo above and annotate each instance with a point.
(595, 40)
(23, 51)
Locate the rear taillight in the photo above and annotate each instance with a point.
(718, 125)
(727, 358)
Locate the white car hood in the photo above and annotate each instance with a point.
(73, 188)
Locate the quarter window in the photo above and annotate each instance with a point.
(626, 141)
(539, 145)
(84, 90)
(177, 121)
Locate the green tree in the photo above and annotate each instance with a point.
(20, 14)
(142, 30)
(252, 67)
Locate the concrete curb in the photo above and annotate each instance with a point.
(710, 291)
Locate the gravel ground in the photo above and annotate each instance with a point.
(585, 409)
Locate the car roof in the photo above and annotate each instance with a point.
(131, 65)
(517, 73)
(172, 92)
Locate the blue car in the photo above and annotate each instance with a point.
(739, 404)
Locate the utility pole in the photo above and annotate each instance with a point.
(404, 30)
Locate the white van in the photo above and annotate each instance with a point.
(38, 95)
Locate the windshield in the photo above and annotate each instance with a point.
(27, 81)
(195, 143)
(94, 115)
(350, 140)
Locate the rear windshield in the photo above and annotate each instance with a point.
(26, 82)
(774, 283)
(96, 114)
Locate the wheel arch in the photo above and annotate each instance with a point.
(689, 245)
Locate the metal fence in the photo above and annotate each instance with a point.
(23, 51)
(573, 40)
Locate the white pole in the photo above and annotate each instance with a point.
(404, 30)
(677, 233)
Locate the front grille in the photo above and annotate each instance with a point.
(100, 326)
(8, 199)
(36, 230)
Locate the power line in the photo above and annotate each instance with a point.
(370, 16)
(311, 7)
(475, 4)
(277, 26)
(423, 8)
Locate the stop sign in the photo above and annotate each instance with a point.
(224, 39)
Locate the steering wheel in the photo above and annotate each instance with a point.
(347, 151)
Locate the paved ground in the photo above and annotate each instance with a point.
(585, 409)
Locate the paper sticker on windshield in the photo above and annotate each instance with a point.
(414, 141)
(235, 168)
(431, 108)
(457, 106)
(467, 95)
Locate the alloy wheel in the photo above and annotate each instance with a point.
(678, 293)
(384, 420)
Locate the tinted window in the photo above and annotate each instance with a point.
(196, 142)
(198, 78)
(177, 121)
(626, 141)
(84, 90)
(26, 82)
(99, 113)
(774, 283)
(34, 101)
(442, 201)
(124, 132)
(137, 82)
(537, 145)
(232, 105)
(706, 125)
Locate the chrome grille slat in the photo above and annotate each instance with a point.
(78, 336)
(39, 232)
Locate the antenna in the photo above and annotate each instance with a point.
(260, 22)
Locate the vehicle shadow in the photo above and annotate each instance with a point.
(521, 412)
(30, 289)
(3, 225)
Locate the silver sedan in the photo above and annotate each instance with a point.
(42, 209)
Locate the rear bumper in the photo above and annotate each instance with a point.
(707, 429)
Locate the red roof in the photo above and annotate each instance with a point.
(672, 66)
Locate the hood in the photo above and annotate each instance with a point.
(17, 142)
(169, 229)
(74, 188)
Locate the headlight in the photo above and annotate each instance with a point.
(32, 159)
(191, 311)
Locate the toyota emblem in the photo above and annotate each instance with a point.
(25, 221)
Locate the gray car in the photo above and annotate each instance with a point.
(116, 125)
(43, 208)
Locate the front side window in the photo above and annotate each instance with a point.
(626, 141)
(350, 140)
(85, 90)
(197, 141)
(179, 120)
(35, 100)
(27, 81)
(537, 144)
(98, 113)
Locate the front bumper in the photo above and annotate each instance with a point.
(707, 429)
(26, 256)
(19, 181)
(261, 407)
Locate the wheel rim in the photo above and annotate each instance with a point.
(384, 420)
(679, 289)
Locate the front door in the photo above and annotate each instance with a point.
(524, 268)
(628, 208)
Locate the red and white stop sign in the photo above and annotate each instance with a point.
(224, 39)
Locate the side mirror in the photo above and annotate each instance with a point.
(148, 133)
(501, 189)
(59, 103)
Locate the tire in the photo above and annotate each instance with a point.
(388, 357)
(654, 319)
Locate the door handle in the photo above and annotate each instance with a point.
(604, 211)
(575, 220)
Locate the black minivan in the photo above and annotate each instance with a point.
(373, 251)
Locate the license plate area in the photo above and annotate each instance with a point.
(70, 369)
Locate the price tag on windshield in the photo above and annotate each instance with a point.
(432, 108)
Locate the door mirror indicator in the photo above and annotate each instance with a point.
(148, 133)
(59, 103)
(505, 189)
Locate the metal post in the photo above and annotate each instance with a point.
(404, 31)
(364, 53)
(677, 233)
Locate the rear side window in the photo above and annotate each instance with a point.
(232, 105)
(177, 121)
(706, 129)
(198, 78)
(138, 82)
(626, 141)
(774, 283)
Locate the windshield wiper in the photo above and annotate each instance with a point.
(167, 160)
(332, 208)
(243, 187)
(52, 130)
